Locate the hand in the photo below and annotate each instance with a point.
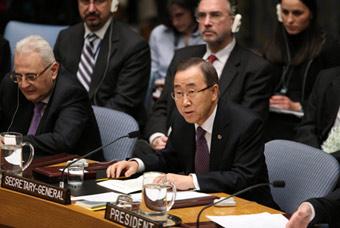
(159, 142)
(300, 218)
(182, 182)
(283, 102)
(127, 167)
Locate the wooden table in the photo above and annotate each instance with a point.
(20, 210)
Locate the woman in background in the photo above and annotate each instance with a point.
(299, 50)
(179, 30)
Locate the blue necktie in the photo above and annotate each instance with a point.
(38, 107)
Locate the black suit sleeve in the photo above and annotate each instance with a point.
(306, 132)
(5, 58)
(327, 209)
(132, 80)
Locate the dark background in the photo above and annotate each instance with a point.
(257, 23)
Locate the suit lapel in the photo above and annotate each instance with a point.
(230, 69)
(219, 137)
(101, 63)
(77, 47)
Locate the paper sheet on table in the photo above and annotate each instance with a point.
(102, 197)
(286, 111)
(124, 186)
(251, 221)
(183, 195)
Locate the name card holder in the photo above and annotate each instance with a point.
(129, 218)
(36, 188)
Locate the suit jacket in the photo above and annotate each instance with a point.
(321, 109)
(67, 125)
(327, 209)
(244, 80)
(5, 58)
(236, 154)
(121, 73)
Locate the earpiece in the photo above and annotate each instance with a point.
(236, 24)
(114, 5)
(278, 12)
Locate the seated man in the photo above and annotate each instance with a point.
(43, 103)
(318, 210)
(215, 147)
(320, 126)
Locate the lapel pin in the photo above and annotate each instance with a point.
(219, 136)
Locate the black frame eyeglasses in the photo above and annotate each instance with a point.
(178, 95)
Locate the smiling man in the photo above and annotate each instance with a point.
(41, 101)
(213, 147)
(107, 57)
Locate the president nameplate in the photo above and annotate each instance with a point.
(129, 218)
(36, 188)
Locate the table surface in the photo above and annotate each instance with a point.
(21, 210)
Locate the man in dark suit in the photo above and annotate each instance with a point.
(116, 70)
(322, 116)
(323, 210)
(213, 147)
(243, 75)
(45, 104)
(5, 57)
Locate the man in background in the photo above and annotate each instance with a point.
(110, 60)
(44, 103)
(243, 76)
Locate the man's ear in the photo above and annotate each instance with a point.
(55, 69)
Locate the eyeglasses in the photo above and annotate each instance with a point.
(178, 95)
(30, 77)
(88, 2)
(214, 17)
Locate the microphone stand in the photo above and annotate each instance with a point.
(133, 134)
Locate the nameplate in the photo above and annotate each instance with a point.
(36, 188)
(129, 218)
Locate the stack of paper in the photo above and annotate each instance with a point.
(261, 220)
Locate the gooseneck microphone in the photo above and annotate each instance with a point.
(275, 184)
(133, 134)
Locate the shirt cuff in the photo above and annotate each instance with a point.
(194, 179)
(141, 166)
(155, 135)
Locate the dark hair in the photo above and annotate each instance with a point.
(189, 5)
(277, 50)
(209, 72)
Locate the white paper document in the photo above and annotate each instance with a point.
(262, 220)
(124, 186)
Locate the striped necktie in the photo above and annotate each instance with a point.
(202, 156)
(87, 60)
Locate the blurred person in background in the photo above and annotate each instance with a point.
(179, 30)
(299, 50)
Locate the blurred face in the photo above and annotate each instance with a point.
(296, 16)
(201, 101)
(181, 19)
(215, 21)
(31, 63)
(94, 13)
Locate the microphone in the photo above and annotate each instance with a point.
(275, 184)
(133, 134)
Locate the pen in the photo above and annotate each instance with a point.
(102, 179)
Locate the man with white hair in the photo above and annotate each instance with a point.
(42, 101)
(107, 57)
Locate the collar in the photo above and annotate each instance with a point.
(101, 32)
(209, 123)
(223, 54)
